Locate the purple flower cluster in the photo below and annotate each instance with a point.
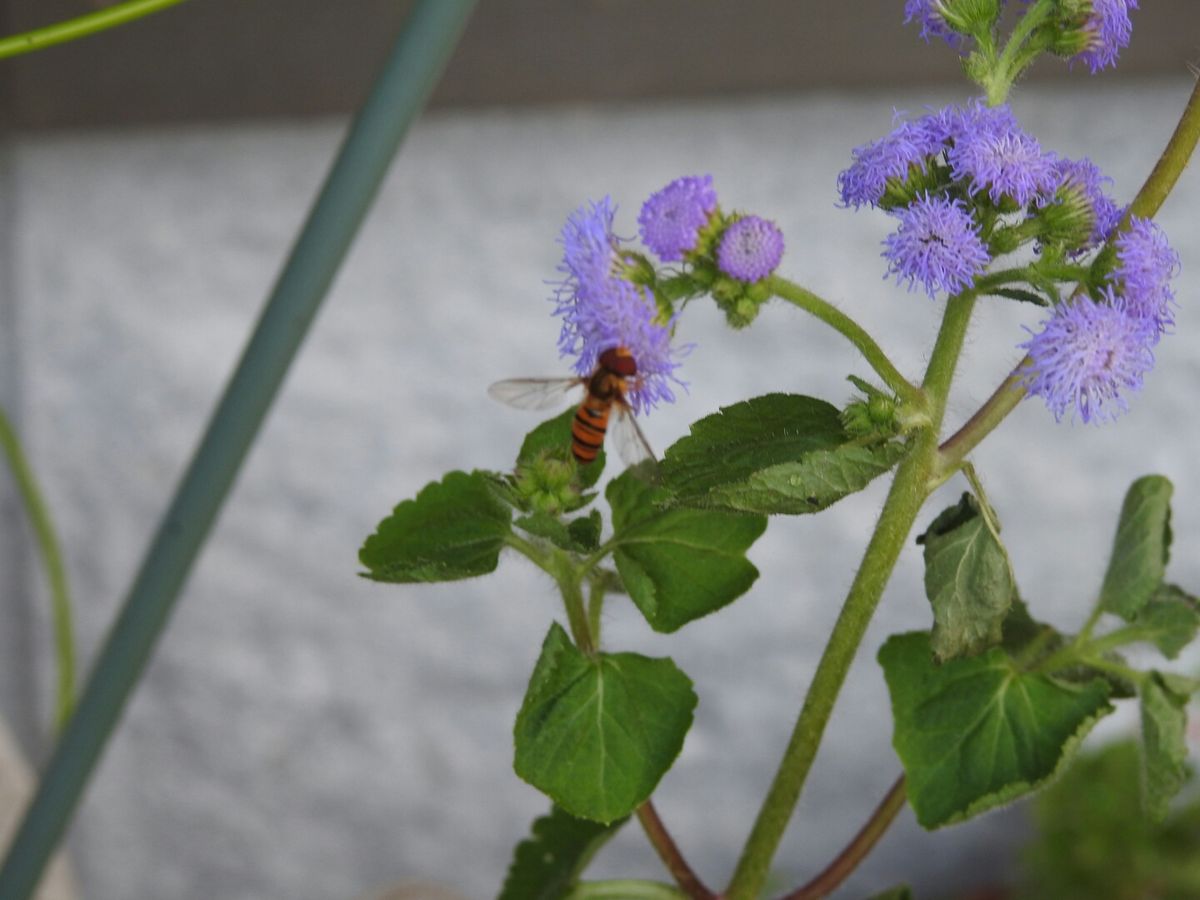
(1146, 263)
(931, 14)
(671, 220)
(911, 146)
(602, 310)
(751, 249)
(993, 156)
(1087, 354)
(1080, 186)
(937, 244)
(1090, 351)
(1108, 31)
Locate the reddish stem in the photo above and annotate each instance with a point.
(668, 852)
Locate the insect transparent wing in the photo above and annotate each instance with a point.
(534, 393)
(632, 445)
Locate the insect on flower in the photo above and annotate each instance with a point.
(604, 397)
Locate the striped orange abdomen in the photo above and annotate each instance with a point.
(587, 431)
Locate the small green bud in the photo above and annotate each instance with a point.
(548, 484)
(637, 269)
(873, 416)
(739, 301)
(921, 180)
(971, 17)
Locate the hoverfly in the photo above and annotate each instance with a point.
(604, 394)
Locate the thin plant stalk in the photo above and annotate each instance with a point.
(397, 97)
(52, 561)
(832, 876)
(904, 502)
(81, 26)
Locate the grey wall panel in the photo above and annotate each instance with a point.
(209, 59)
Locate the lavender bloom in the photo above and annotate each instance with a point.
(993, 154)
(1108, 30)
(1086, 355)
(750, 249)
(931, 15)
(601, 310)
(672, 218)
(1081, 184)
(1146, 263)
(891, 157)
(589, 251)
(937, 244)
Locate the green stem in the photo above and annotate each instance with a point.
(831, 878)
(52, 561)
(595, 607)
(1010, 64)
(408, 77)
(572, 593)
(900, 509)
(83, 26)
(1107, 665)
(669, 853)
(1171, 164)
(623, 890)
(852, 331)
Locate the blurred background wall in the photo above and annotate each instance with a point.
(304, 734)
(221, 59)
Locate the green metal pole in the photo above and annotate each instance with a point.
(401, 90)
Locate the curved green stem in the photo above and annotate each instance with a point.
(852, 331)
(1013, 59)
(56, 572)
(408, 77)
(831, 878)
(669, 853)
(83, 26)
(904, 502)
(1170, 165)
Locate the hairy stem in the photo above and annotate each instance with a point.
(669, 853)
(82, 26)
(852, 331)
(904, 501)
(856, 851)
(52, 562)
(1012, 60)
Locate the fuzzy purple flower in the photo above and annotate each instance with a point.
(1146, 263)
(1108, 31)
(750, 249)
(931, 14)
(1087, 356)
(602, 310)
(672, 218)
(1081, 184)
(590, 251)
(992, 154)
(910, 145)
(937, 244)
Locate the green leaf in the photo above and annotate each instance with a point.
(903, 892)
(1170, 620)
(579, 535)
(547, 865)
(596, 734)
(1141, 548)
(780, 453)
(1164, 745)
(678, 564)
(968, 581)
(454, 529)
(1021, 295)
(976, 733)
(554, 436)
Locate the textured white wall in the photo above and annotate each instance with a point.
(302, 733)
